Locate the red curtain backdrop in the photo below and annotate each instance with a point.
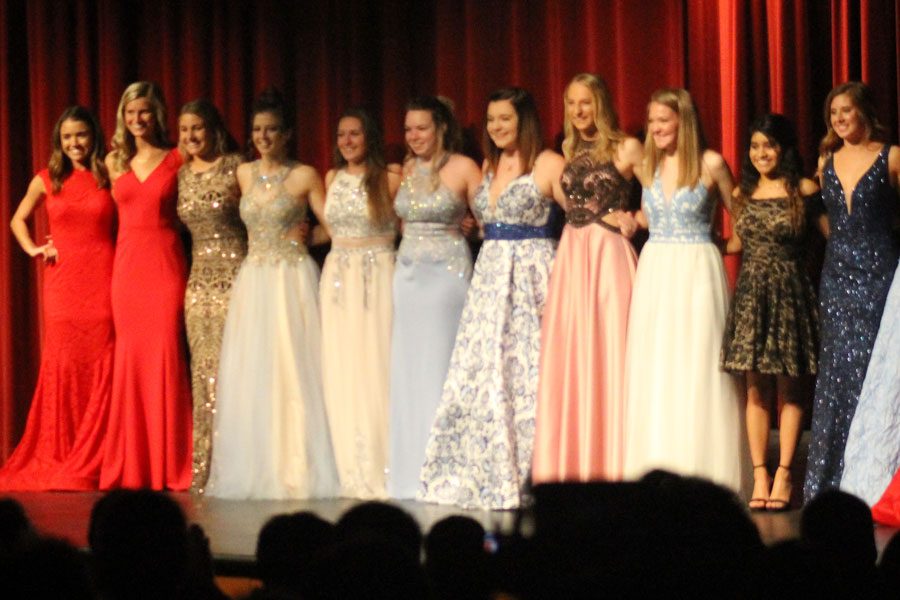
(738, 57)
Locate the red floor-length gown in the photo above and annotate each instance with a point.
(149, 437)
(62, 446)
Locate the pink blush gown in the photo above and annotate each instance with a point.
(580, 406)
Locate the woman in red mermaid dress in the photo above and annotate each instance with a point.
(149, 435)
(62, 445)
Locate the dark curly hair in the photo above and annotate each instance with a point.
(780, 133)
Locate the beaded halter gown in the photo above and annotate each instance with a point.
(355, 293)
(431, 278)
(270, 431)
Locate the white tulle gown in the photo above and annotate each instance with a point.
(683, 412)
(271, 437)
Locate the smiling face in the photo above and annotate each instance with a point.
(764, 154)
(268, 135)
(846, 119)
(76, 141)
(193, 136)
(662, 123)
(351, 140)
(139, 118)
(503, 124)
(581, 108)
(421, 133)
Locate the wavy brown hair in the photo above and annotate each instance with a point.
(861, 97)
(528, 134)
(60, 166)
(222, 142)
(605, 120)
(375, 180)
(122, 143)
(780, 133)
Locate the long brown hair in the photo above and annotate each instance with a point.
(528, 135)
(60, 166)
(605, 120)
(690, 141)
(861, 97)
(375, 180)
(122, 143)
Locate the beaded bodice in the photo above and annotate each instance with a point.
(208, 204)
(685, 218)
(519, 203)
(862, 238)
(270, 213)
(592, 190)
(347, 209)
(765, 229)
(431, 222)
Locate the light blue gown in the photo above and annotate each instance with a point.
(872, 455)
(431, 278)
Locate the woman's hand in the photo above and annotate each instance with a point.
(48, 251)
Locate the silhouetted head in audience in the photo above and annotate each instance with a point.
(287, 547)
(382, 521)
(840, 525)
(368, 567)
(14, 524)
(837, 528)
(139, 543)
(456, 564)
(45, 568)
(889, 566)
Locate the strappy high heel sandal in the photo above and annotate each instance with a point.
(783, 501)
(760, 503)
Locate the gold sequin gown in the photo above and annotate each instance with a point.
(356, 299)
(208, 204)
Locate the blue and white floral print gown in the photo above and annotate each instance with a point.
(479, 453)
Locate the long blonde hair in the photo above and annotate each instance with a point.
(605, 120)
(122, 143)
(690, 141)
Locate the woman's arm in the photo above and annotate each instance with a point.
(33, 197)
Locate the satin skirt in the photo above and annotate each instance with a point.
(428, 303)
(580, 402)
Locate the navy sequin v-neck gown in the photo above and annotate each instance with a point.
(860, 260)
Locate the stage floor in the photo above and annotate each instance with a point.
(233, 525)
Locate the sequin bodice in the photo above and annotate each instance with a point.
(431, 222)
(862, 239)
(347, 209)
(270, 212)
(766, 232)
(685, 219)
(592, 190)
(519, 203)
(208, 205)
